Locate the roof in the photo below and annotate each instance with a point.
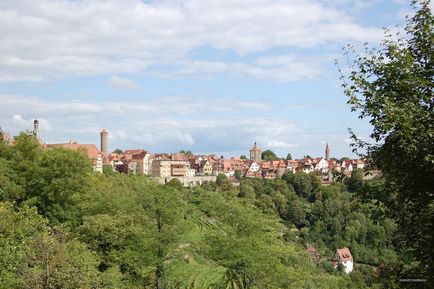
(91, 149)
(133, 152)
(344, 254)
(311, 249)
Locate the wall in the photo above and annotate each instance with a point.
(187, 181)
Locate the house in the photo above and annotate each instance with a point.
(161, 166)
(253, 170)
(291, 166)
(144, 162)
(320, 164)
(306, 165)
(205, 168)
(343, 256)
(347, 167)
(91, 150)
(314, 254)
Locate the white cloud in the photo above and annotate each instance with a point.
(61, 38)
(123, 83)
(280, 144)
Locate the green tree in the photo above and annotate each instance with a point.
(118, 151)
(269, 155)
(243, 157)
(186, 152)
(288, 157)
(393, 88)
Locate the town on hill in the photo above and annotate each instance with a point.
(193, 169)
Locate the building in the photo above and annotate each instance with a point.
(255, 154)
(92, 152)
(5, 136)
(343, 257)
(104, 146)
(327, 152)
(314, 254)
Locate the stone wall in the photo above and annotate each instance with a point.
(187, 181)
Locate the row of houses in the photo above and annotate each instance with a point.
(142, 162)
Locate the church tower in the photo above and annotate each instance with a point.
(36, 128)
(255, 153)
(327, 152)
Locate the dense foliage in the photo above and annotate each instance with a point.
(62, 226)
(393, 87)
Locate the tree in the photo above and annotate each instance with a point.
(269, 155)
(185, 152)
(288, 157)
(243, 157)
(118, 151)
(393, 87)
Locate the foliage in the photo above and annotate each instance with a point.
(269, 155)
(186, 152)
(393, 88)
(125, 231)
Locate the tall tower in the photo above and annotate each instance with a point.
(36, 128)
(104, 135)
(255, 153)
(327, 152)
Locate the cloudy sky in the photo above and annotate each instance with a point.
(211, 76)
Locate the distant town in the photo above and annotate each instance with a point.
(193, 169)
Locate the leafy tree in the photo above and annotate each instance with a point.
(288, 157)
(185, 152)
(269, 155)
(393, 88)
(118, 151)
(243, 157)
(238, 175)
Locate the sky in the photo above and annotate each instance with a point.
(210, 76)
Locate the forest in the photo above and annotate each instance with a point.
(63, 226)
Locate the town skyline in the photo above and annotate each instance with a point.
(108, 148)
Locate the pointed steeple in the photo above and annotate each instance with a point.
(327, 152)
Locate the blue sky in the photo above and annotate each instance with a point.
(202, 75)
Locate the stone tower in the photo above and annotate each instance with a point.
(255, 153)
(36, 128)
(327, 152)
(104, 135)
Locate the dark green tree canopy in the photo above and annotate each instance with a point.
(392, 87)
(269, 155)
(118, 151)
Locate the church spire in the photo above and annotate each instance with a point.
(327, 152)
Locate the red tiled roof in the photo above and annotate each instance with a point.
(91, 149)
(344, 254)
(133, 152)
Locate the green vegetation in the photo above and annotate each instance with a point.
(118, 151)
(393, 87)
(186, 152)
(269, 155)
(63, 226)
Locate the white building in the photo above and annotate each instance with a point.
(343, 256)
